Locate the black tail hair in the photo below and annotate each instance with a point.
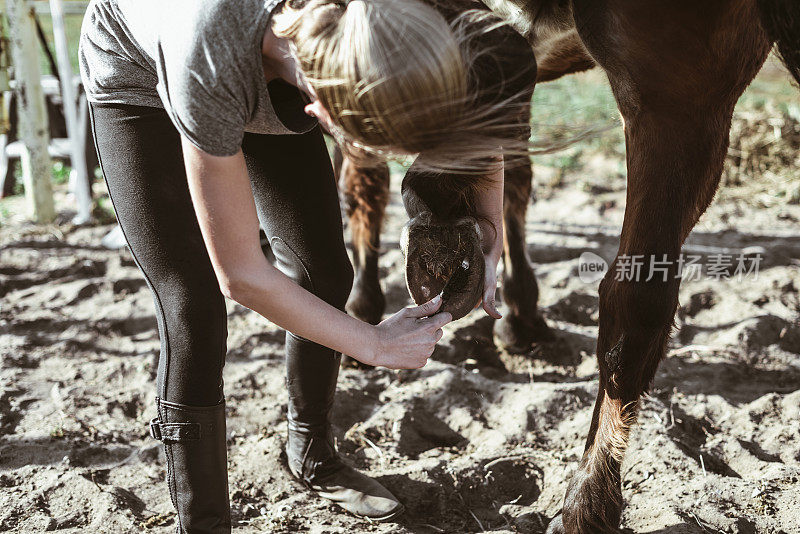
(781, 21)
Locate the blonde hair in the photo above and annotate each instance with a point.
(394, 76)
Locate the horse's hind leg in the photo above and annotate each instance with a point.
(521, 324)
(366, 195)
(676, 80)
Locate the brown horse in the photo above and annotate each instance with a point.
(677, 68)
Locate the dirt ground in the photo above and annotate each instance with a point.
(478, 440)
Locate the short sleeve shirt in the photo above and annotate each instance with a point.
(200, 60)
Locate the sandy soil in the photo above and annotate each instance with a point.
(478, 440)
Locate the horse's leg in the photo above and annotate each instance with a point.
(676, 71)
(521, 324)
(366, 195)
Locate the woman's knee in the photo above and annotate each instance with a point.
(194, 319)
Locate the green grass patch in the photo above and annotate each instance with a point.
(571, 105)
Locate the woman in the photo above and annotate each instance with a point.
(204, 134)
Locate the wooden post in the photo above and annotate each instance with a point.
(34, 132)
(80, 183)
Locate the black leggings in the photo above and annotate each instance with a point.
(298, 206)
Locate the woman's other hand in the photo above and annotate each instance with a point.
(489, 207)
(490, 284)
(406, 339)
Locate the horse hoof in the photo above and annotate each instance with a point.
(591, 505)
(556, 526)
(444, 257)
(516, 335)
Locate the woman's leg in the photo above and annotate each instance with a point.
(141, 158)
(298, 205)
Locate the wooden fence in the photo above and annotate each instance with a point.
(34, 142)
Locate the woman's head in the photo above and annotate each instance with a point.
(394, 76)
(389, 72)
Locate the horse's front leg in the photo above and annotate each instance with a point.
(676, 91)
(639, 296)
(366, 191)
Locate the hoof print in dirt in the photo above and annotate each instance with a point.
(410, 430)
(482, 490)
(578, 308)
(500, 480)
(463, 496)
(446, 258)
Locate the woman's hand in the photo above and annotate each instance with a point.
(489, 206)
(406, 339)
(490, 284)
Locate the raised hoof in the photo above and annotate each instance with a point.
(517, 336)
(444, 257)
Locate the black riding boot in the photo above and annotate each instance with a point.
(312, 371)
(197, 465)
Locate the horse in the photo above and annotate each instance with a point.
(676, 70)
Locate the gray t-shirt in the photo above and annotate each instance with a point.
(200, 60)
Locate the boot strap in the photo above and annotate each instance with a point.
(175, 431)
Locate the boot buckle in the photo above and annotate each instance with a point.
(174, 431)
(155, 429)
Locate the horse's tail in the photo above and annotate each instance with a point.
(781, 21)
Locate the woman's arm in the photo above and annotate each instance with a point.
(489, 207)
(226, 212)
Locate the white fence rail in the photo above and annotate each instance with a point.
(70, 8)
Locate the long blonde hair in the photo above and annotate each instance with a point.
(394, 76)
